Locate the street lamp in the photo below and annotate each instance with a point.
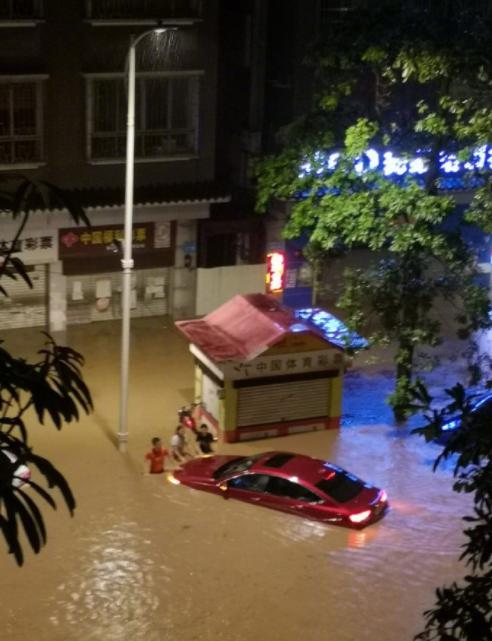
(127, 260)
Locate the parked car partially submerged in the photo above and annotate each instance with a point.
(20, 473)
(294, 483)
(481, 409)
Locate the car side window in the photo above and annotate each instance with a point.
(279, 486)
(249, 482)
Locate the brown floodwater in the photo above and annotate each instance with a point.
(145, 560)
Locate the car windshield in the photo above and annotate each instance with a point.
(340, 486)
(483, 408)
(235, 466)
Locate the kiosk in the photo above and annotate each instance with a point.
(263, 369)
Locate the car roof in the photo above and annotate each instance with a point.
(305, 468)
(480, 401)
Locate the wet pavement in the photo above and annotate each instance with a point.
(144, 560)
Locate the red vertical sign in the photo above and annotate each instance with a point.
(275, 276)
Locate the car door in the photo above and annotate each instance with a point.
(247, 487)
(309, 504)
(291, 496)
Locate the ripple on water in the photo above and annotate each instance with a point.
(113, 595)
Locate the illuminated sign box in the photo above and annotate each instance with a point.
(275, 276)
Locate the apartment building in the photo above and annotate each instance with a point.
(63, 110)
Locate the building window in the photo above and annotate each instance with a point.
(142, 9)
(166, 116)
(20, 9)
(334, 11)
(21, 138)
(451, 7)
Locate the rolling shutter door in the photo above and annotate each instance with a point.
(25, 307)
(282, 402)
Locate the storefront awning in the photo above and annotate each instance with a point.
(144, 196)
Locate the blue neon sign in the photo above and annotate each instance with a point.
(454, 173)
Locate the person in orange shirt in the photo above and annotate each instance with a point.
(156, 457)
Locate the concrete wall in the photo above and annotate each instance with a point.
(217, 285)
(184, 276)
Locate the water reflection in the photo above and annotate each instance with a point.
(357, 539)
(112, 595)
(291, 530)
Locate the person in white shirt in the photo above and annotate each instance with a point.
(179, 447)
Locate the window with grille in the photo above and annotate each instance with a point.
(334, 11)
(20, 9)
(21, 139)
(141, 9)
(166, 116)
(446, 7)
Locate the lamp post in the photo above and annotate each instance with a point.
(127, 260)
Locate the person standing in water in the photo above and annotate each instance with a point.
(204, 440)
(179, 447)
(156, 457)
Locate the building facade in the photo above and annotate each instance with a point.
(63, 111)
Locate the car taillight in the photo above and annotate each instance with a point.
(383, 497)
(360, 517)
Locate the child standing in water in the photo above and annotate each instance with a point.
(156, 457)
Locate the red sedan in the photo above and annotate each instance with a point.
(293, 483)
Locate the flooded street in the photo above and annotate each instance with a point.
(145, 560)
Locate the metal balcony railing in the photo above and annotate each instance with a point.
(21, 9)
(143, 9)
(148, 144)
(22, 150)
(333, 12)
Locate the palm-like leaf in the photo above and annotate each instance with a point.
(464, 612)
(52, 386)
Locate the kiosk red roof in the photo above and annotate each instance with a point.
(243, 328)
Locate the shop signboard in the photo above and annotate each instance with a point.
(283, 364)
(103, 240)
(275, 276)
(163, 235)
(34, 247)
(454, 171)
(189, 247)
